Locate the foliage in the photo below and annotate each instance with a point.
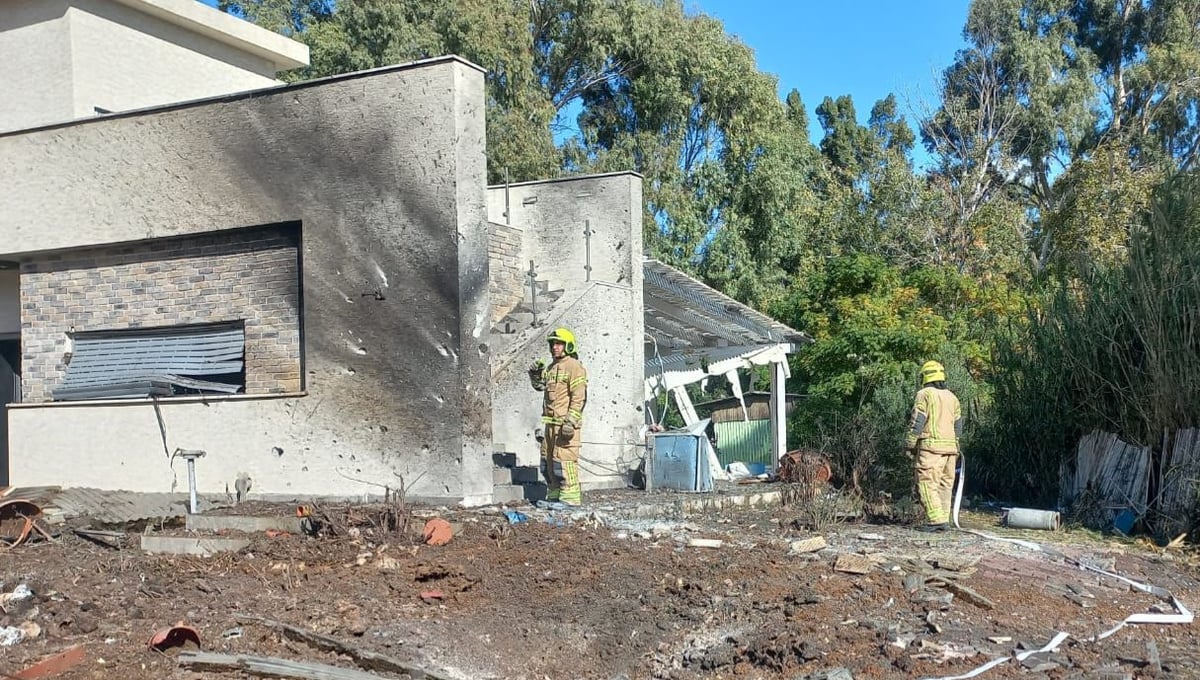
(1115, 350)
(874, 324)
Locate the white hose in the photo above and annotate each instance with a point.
(961, 480)
(1183, 615)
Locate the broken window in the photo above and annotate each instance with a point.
(156, 362)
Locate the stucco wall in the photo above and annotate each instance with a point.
(63, 59)
(385, 172)
(605, 315)
(124, 59)
(248, 275)
(35, 54)
(10, 301)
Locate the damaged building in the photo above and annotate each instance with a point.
(314, 285)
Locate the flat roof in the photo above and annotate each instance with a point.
(238, 96)
(198, 17)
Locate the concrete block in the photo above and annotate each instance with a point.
(507, 493)
(502, 476)
(502, 459)
(186, 545)
(525, 474)
(243, 523)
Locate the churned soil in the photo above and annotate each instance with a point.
(590, 598)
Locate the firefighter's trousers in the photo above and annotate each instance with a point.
(935, 482)
(560, 461)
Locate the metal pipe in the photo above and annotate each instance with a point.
(533, 291)
(587, 248)
(190, 456)
(191, 461)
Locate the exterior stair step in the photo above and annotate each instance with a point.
(508, 493)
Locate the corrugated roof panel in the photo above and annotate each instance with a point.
(673, 285)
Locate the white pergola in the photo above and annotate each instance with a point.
(695, 333)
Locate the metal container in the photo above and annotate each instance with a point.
(681, 461)
(1028, 518)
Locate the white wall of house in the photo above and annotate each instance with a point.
(10, 301)
(385, 172)
(605, 314)
(36, 75)
(63, 59)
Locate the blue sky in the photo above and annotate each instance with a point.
(863, 48)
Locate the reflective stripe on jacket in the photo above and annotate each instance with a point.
(565, 383)
(936, 421)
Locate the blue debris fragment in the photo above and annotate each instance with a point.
(515, 517)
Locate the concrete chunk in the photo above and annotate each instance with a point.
(185, 545)
(243, 523)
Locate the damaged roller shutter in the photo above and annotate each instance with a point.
(159, 362)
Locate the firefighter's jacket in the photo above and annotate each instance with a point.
(936, 421)
(565, 385)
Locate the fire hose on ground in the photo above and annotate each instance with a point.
(1183, 615)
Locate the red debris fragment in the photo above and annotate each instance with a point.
(431, 596)
(438, 532)
(275, 533)
(175, 636)
(53, 665)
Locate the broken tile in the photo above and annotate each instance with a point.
(852, 564)
(808, 545)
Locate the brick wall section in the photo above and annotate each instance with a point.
(251, 275)
(507, 274)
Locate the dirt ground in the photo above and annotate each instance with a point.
(595, 595)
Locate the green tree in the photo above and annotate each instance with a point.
(1015, 110)
(1149, 59)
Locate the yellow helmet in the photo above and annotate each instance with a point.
(564, 336)
(932, 371)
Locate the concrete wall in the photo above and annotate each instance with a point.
(10, 301)
(385, 172)
(605, 314)
(35, 63)
(124, 59)
(250, 275)
(61, 59)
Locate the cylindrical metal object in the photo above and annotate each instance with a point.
(1028, 518)
(192, 481)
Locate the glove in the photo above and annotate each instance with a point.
(566, 430)
(537, 373)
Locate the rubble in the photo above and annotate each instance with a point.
(367, 584)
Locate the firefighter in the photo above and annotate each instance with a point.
(564, 386)
(932, 443)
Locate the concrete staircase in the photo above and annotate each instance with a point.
(513, 483)
(522, 316)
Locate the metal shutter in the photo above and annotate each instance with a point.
(155, 362)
